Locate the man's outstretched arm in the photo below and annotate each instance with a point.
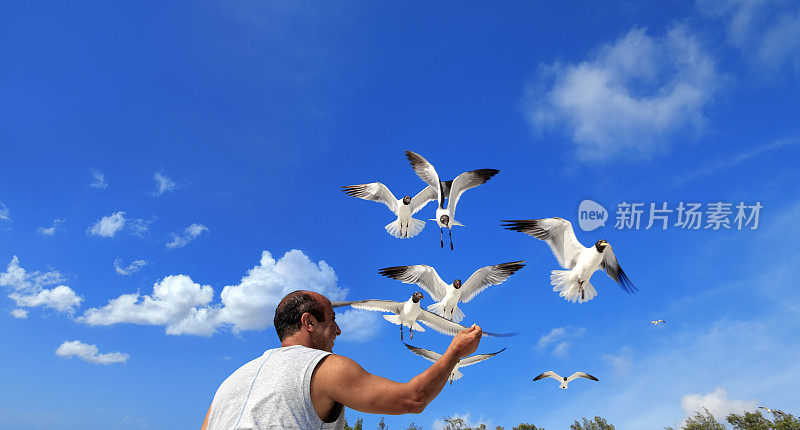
(343, 380)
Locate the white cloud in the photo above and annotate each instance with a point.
(767, 32)
(185, 307)
(28, 289)
(189, 234)
(60, 298)
(357, 325)
(89, 353)
(5, 214)
(19, 313)
(717, 402)
(140, 226)
(163, 184)
(49, 231)
(622, 362)
(175, 303)
(132, 268)
(109, 225)
(98, 180)
(629, 97)
(562, 338)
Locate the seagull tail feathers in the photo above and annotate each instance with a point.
(394, 319)
(415, 226)
(455, 376)
(571, 290)
(438, 309)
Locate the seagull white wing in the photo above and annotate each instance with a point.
(372, 305)
(577, 375)
(375, 191)
(557, 232)
(420, 274)
(424, 353)
(486, 276)
(445, 326)
(465, 181)
(427, 173)
(549, 374)
(427, 194)
(472, 359)
(611, 266)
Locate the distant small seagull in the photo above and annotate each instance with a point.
(449, 295)
(657, 322)
(466, 361)
(446, 216)
(404, 226)
(410, 314)
(580, 261)
(564, 381)
(772, 411)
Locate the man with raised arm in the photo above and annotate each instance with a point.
(302, 385)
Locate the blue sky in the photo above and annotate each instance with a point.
(169, 171)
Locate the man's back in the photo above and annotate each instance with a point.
(272, 391)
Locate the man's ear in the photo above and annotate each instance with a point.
(308, 321)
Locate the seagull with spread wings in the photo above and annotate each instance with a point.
(657, 322)
(410, 314)
(564, 381)
(447, 295)
(405, 226)
(466, 361)
(581, 262)
(446, 216)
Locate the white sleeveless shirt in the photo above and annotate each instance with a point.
(271, 392)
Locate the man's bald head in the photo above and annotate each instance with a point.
(293, 306)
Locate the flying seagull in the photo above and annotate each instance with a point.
(404, 226)
(449, 295)
(657, 322)
(466, 361)
(446, 216)
(581, 262)
(410, 314)
(772, 411)
(564, 381)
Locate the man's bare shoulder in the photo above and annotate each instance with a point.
(334, 365)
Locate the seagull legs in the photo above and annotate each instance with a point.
(401, 331)
(441, 237)
(450, 232)
(411, 329)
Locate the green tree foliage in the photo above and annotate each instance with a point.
(382, 425)
(359, 425)
(456, 424)
(704, 421)
(413, 426)
(757, 421)
(526, 426)
(599, 423)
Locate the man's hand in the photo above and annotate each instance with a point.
(466, 341)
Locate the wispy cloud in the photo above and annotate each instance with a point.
(717, 402)
(561, 338)
(141, 226)
(98, 180)
(189, 234)
(130, 269)
(89, 353)
(629, 97)
(621, 362)
(731, 162)
(109, 225)
(28, 289)
(185, 307)
(19, 313)
(5, 214)
(358, 325)
(766, 32)
(49, 231)
(163, 184)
